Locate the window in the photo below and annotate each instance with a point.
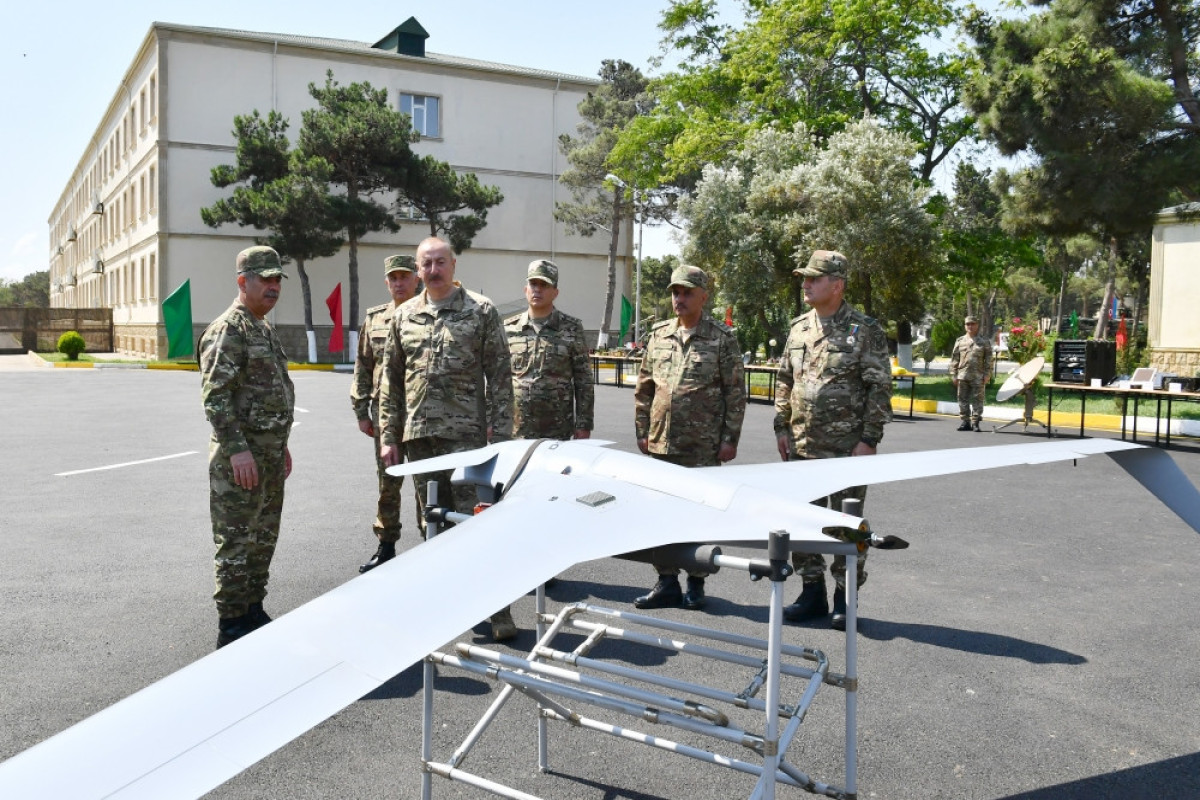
(425, 113)
(153, 277)
(153, 98)
(151, 188)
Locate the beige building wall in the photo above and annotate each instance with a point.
(1174, 318)
(179, 98)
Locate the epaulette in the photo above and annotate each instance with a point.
(662, 324)
(378, 308)
(514, 319)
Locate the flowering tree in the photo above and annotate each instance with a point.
(1025, 342)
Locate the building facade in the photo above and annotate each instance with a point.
(126, 230)
(1174, 324)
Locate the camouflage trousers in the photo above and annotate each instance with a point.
(245, 524)
(464, 497)
(387, 509)
(684, 461)
(971, 399)
(810, 567)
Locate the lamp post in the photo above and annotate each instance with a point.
(637, 270)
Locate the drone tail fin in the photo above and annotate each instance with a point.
(1155, 470)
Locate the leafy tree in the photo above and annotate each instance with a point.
(32, 291)
(779, 198)
(821, 62)
(980, 254)
(656, 298)
(597, 202)
(1100, 91)
(366, 144)
(281, 192)
(436, 191)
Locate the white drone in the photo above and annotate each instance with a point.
(188, 733)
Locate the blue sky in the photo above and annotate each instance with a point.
(65, 60)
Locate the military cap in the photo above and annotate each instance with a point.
(393, 263)
(544, 270)
(691, 277)
(825, 262)
(262, 261)
(971, 320)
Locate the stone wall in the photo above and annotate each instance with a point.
(1182, 362)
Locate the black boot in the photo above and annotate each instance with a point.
(233, 628)
(386, 552)
(693, 598)
(665, 593)
(258, 616)
(811, 604)
(838, 621)
(966, 426)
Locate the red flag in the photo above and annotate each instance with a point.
(1122, 335)
(334, 301)
(729, 316)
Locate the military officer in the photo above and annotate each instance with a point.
(400, 275)
(250, 402)
(832, 398)
(970, 370)
(446, 384)
(688, 405)
(553, 390)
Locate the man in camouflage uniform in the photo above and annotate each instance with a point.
(688, 405)
(553, 392)
(446, 384)
(400, 275)
(970, 371)
(249, 401)
(833, 395)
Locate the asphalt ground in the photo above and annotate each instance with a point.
(1038, 640)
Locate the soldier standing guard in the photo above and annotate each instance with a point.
(970, 371)
(250, 402)
(553, 392)
(688, 405)
(400, 275)
(833, 395)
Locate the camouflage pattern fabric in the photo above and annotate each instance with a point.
(364, 397)
(553, 391)
(249, 400)
(971, 366)
(446, 373)
(463, 498)
(691, 394)
(833, 388)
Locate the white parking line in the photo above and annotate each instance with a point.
(126, 464)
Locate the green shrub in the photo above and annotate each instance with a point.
(71, 344)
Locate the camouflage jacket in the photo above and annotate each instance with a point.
(553, 392)
(690, 395)
(446, 372)
(368, 363)
(971, 359)
(834, 386)
(245, 385)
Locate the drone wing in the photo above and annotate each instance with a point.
(565, 503)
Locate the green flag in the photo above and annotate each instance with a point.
(626, 316)
(177, 319)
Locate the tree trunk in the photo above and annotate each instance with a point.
(352, 240)
(306, 296)
(904, 344)
(1110, 289)
(1062, 299)
(606, 320)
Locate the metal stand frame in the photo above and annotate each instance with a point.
(1027, 419)
(556, 681)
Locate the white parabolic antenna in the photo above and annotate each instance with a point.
(1019, 378)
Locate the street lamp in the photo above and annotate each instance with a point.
(637, 271)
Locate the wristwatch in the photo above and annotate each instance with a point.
(869, 442)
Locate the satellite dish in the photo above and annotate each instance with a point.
(1019, 378)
